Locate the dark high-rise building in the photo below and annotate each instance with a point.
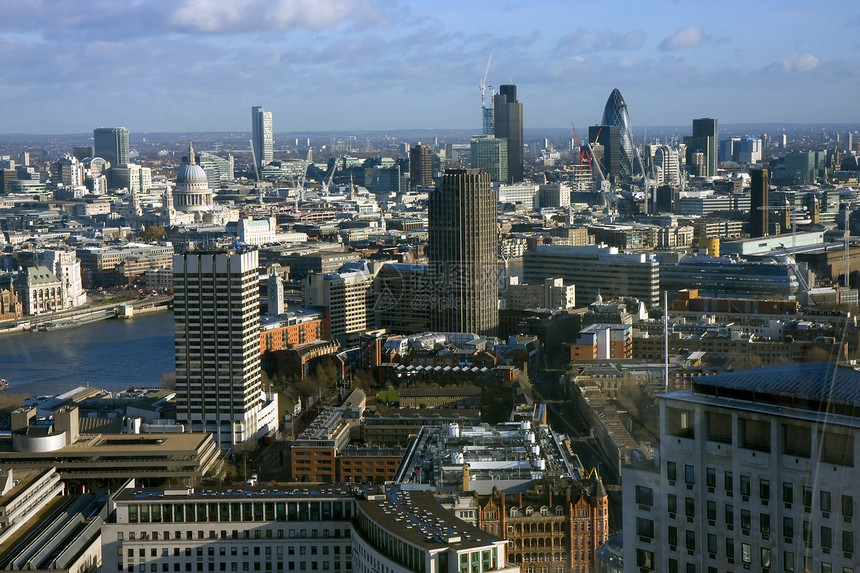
(702, 154)
(463, 246)
(421, 165)
(615, 113)
(111, 144)
(609, 138)
(508, 123)
(758, 202)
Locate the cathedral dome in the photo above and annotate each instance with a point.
(191, 174)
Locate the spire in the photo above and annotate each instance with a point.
(191, 159)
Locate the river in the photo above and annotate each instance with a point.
(109, 354)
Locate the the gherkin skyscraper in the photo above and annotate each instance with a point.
(615, 113)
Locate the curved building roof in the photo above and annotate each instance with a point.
(615, 113)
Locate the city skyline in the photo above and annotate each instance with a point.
(198, 65)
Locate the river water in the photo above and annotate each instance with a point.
(110, 354)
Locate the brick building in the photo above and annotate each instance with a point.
(550, 532)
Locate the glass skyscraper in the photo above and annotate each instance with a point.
(262, 137)
(111, 144)
(615, 113)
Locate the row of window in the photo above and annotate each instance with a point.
(790, 562)
(239, 511)
(235, 534)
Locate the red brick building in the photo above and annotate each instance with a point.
(550, 532)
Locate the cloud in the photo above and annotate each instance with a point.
(800, 63)
(239, 16)
(588, 41)
(685, 38)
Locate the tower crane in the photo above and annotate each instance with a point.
(256, 171)
(486, 111)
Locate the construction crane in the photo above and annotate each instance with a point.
(486, 111)
(301, 189)
(327, 181)
(256, 171)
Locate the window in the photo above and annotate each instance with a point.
(745, 519)
(711, 477)
(690, 540)
(847, 506)
(719, 427)
(837, 449)
(746, 553)
(672, 503)
(765, 557)
(645, 559)
(848, 541)
(826, 537)
(730, 514)
(644, 495)
(787, 527)
(787, 492)
(788, 561)
(807, 532)
(825, 501)
(689, 474)
(689, 507)
(680, 422)
(755, 435)
(712, 543)
(729, 483)
(764, 489)
(672, 536)
(745, 485)
(644, 527)
(712, 510)
(730, 548)
(796, 441)
(807, 496)
(764, 523)
(671, 471)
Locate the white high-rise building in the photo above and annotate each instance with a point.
(217, 343)
(666, 169)
(264, 143)
(756, 472)
(66, 266)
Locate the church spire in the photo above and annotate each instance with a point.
(191, 159)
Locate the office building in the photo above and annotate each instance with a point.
(463, 247)
(262, 136)
(596, 270)
(750, 151)
(401, 298)
(666, 169)
(756, 471)
(702, 148)
(421, 165)
(111, 144)
(345, 296)
(759, 204)
(217, 342)
(508, 125)
(615, 114)
(333, 528)
(490, 155)
(606, 145)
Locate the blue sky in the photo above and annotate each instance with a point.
(199, 65)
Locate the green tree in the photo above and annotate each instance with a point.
(153, 233)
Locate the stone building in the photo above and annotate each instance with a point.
(550, 531)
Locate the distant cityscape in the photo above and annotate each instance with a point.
(575, 350)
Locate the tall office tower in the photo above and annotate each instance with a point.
(508, 124)
(615, 113)
(264, 143)
(666, 169)
(217, 343)
(758, 202)
(421, 165)
(490, 155)
(608, 139)
(757, 472)
(111, 144)
(463, 250)
(705, 132)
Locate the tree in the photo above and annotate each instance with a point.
(153, 233)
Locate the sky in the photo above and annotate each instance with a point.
(68, 66)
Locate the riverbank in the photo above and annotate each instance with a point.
(84, 315)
